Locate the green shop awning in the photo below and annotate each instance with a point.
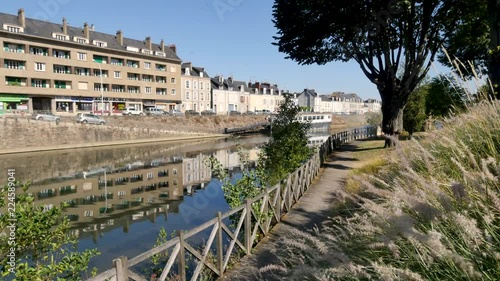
(13, 98)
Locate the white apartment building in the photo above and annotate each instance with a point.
(195, 88)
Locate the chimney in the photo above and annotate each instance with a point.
(149, 44)
(162, 45)
(173, 48)
(92, 27)
(64, 26)
(86, 32)
(119, 37)
(21, 18)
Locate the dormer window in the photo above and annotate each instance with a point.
(80, 40)
(132, 49)
(146, 52)
(60, 36)
(101, 44)
(160, 54)
(13, 28)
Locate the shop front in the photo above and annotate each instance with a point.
(111, 106)
(83, 104)
(137, 104)
(13, 104)
(64, 105)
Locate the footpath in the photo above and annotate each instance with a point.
(311, 210)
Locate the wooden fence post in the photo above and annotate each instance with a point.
(121, 268)
(248, 227)
(181, 257)
(220, 249)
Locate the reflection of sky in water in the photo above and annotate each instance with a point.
(193, 211)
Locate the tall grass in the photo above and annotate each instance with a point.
(432, 214)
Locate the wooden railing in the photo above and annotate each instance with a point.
(248, 224)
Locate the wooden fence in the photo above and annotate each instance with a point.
(247, 226)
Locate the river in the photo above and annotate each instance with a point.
(119, 198)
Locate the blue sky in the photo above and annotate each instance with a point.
(227, 37)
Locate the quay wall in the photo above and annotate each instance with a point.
(22, 132)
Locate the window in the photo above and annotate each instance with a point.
(188, 166)
(195, 95)
(161, 79)
(118, 74)
(101, 44)
(37, 83)
(89, 213)
(115, 61)
(81, 41)
(201, 85)
(187, 95)
(161, 91)
(148, 90)
(174, 171)
(61, 69)
(149, 176)
(11, 64)
(82, 56)
(60, 54)
(61, 37)
(147, 78)
(82, 71)
(132, 63)
(161, 67)
(201, 96)
(14, 29)
(147, 65)
(172, 80)
(121, 193)
(38, 51)
(195, 85)
(187, 84)
(173, 92)
(39, 66)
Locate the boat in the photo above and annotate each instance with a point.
(317, 120)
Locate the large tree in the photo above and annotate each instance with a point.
(378, 35)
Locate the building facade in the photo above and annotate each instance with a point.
(195, 88)
(229, 95)
(66, 70)
(264, 96)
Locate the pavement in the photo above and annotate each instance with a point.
(311, 210)
(173, 138)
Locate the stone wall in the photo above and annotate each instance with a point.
(24, 132)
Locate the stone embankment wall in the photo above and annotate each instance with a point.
(24, 132)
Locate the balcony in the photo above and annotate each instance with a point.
(161, 67)
(62, 84)
(118, 88)
(13, 64)
(115, 61)
(133, 89)
(147, 78)
(62, 69)
(161, 79)
(133, 76)
(61, 54)
(13, 48)
(132, 63)
(15, 81)
(39, 51)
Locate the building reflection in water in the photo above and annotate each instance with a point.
(133, 187)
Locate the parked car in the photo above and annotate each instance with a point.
(249, 113)
(191, 112)
(154, 111)
(132, 111)
(208, 112)
(234, 112)
(88, 118)
(263, 111)
(176, 112)
(46, 116)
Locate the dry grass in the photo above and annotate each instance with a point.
(431, 213)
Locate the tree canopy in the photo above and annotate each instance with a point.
(379, 35)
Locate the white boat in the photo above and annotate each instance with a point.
(317, 120)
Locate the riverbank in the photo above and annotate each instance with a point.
(172, 139)
(26, 135)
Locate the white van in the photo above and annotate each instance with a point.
(154, 111)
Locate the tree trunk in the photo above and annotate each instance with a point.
(392, 117)
(494, 54)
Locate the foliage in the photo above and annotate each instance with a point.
(374, 119)
(444, 97)
(378, 35)
(414, 113)
(433, 213)
(287, 149)
(44, 247)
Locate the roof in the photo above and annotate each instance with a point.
(309, 92)
(45, 29)
(195, 70)
(229, 83)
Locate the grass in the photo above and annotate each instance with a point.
(427, 210)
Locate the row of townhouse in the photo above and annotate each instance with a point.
(337, 102)
(53, 67)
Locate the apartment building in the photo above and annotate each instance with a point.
(309, 99)
(229, 95)
(53, 67)
(372, 105)
(195, 88)
(264, 96)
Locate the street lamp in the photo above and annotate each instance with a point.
(102, 89)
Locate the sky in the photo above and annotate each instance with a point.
(227, 37)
